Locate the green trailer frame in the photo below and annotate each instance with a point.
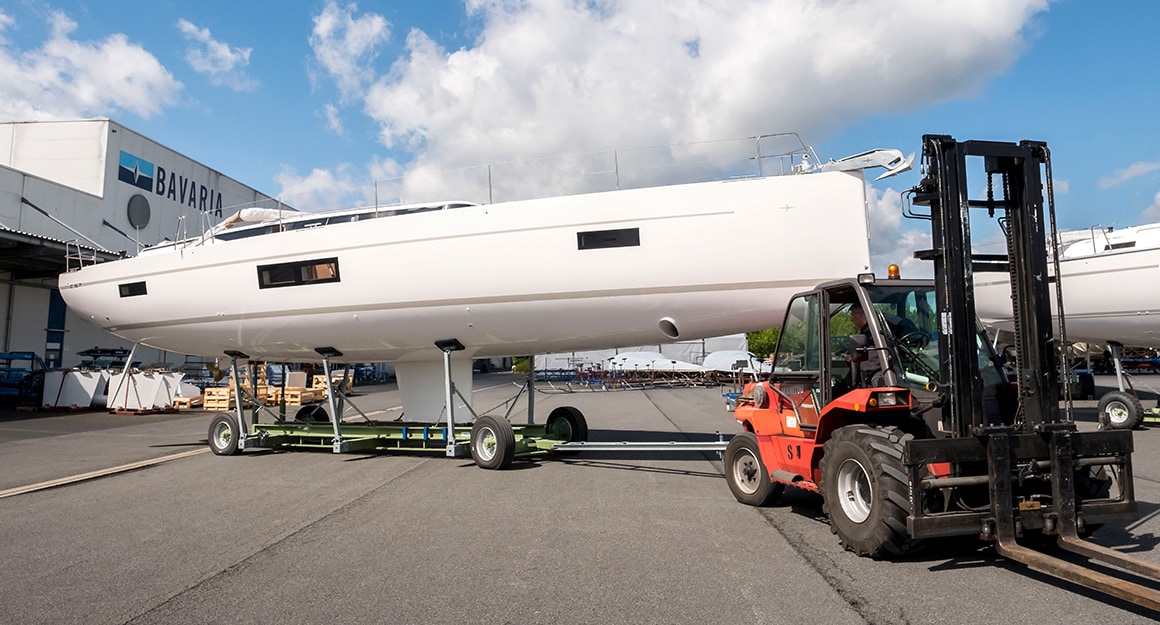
(492, 442)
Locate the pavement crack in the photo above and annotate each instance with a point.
(832, 572)
(265, 548)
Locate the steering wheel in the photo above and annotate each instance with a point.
(915, 340)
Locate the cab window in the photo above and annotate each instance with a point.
(798, 345)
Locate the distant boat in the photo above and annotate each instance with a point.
(1111, 287)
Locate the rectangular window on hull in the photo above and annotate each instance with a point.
(600, 239)
(132, 289)
(298, 272)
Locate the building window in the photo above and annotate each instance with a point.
(132, 289)
(298, 272)
(599, 239)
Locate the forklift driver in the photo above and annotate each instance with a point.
(865, 356)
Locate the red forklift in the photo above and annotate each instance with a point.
(887, 399)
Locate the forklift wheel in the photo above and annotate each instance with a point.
(223, 434)
(864, 489)
(493, 442)
(746, 473)
(1123, 409)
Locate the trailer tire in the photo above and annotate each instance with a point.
(493, 442)
(865, 490)
(312, 414)
(223, 434)
(747, 475)
(1123, 410)
(567, 424)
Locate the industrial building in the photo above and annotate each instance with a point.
(91, 189)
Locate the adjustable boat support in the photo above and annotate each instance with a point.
(236, 381)
(448, 346)
(332, 402)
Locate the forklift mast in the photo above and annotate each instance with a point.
(1026, 470)
(1014, 194)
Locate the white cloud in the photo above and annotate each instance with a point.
(5, 22)
(225, 65)
(346, 45)
(66, 78)
(545, 77)
(894, 239)
(318, 190)
(1152, 213)
(1134, 170)
(333, 120)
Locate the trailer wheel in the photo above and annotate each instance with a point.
(493, 442)
(312, 414)
(567, 424)
(1123, 409)
(223, 434)
(746, 474)
(864, 489)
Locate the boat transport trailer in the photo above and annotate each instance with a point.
(491, 441)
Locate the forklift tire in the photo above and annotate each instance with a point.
(493, 442)
(1123, 410)
(746, 474)
(223, 434)
(864, 490)
(567, 424)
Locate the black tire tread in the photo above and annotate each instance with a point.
(885, 532)
(770, 491)
(1131, 402)
(505, 440)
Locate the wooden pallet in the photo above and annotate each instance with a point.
(218, 398)
(187, 402)
(319, 385)
(295, 396)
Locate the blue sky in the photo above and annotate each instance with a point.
(313, 100)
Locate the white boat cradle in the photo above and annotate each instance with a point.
(137, 391)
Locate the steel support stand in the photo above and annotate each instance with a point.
(1116, 348)
(448, 346)
(123, 379)
(335, 418)
(531, 389)
(236, 383)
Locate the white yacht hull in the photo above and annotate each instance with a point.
(1111, 296)
(504, 279)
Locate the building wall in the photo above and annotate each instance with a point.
(7, 292)
(64, 180)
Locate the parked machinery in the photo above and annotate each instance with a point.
(909, 427)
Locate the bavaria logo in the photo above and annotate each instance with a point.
(135, 171)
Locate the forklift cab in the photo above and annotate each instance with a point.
(822, 354)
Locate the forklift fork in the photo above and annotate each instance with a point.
(1066, 523)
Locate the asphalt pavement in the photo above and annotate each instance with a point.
(311, 537)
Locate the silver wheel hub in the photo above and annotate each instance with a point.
(855, 494)
(1117, 412)
(486, 444)
(223, 436)
(746, 472)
